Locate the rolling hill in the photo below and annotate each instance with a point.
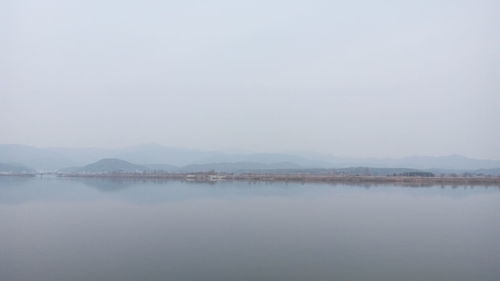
(106, 166)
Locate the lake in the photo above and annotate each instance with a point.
(69, 229)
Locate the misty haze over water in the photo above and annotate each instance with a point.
(102, 101)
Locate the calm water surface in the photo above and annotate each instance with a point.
(90, 229)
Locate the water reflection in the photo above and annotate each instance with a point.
(107, 184)
(100, 229)
(21, 189)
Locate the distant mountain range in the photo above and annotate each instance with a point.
(158, 157)
(118, 165)
(106, 166)
(9, 168)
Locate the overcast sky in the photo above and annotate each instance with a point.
(352, 78)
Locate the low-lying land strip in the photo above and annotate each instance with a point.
(254, 177)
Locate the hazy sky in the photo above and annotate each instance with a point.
(351, 78)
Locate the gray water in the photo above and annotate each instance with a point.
(92, 229)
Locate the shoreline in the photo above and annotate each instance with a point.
(301, 178)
